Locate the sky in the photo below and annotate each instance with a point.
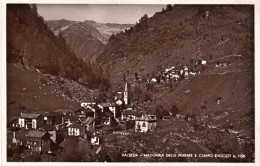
(111, 13)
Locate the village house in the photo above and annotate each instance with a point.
(38, 141)
(52, 118)
(88, 103)
(64, 111)
(222, 64)
(201, 62)
(118, 101)
(111, 107)
(12, 121)
(144, 125)
(69, 119)
(152, 117)
(76, 129)
(95, 140)
(128, 115)
(51, 130)
(30, 120)
(82, 113)
(129, 107)
(90, 124)
(107, 119)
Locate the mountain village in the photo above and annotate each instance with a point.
(51, 132)
(90, 122)
(166, 89)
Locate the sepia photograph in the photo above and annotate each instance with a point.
(138, 83)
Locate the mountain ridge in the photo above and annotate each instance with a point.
(86, 38)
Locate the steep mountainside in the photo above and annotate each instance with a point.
(42, 72)
(220, 97)
(34, 91)
(31, 43)
(59, 25)
(179, 36)
(84, 40)
(88, 38)
(107, 29)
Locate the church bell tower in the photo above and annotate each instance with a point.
(126, 94)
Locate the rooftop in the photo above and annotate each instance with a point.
(64, 111)
(35, 134)
(12, 118)
(51, 114)
(131, 112)
(108, 104)
(84, 110)
(74, 125)
(29, 115)
(89, 120)
(48, 127)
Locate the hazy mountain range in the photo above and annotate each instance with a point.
(88, 38)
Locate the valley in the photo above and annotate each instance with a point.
(179, 84)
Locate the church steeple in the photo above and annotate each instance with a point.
(126, 89)
(126, 94)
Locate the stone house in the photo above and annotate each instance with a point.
(76, 129)
(30, 120)
(38, 141)
(52, 118)
(144, 125)
(51, 130)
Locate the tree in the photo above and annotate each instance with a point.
(146, 95)
(136, 76)
(160, 111)
(124, 77)
(34, 9)
(144, 18)
(112, 37)
(174, 110)
(168, 7)
(163, 10)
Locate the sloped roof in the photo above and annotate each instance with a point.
(85, 110)
(30, 115)
(108, 104)
(51, 114)
(75, 125)
(12, 118)
(129, 105)
(72, 118)
(110, 114)
(48, 127)
(64, 111)
(89, 120)
(35, 134)
(129, 112)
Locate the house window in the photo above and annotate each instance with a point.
(70, 131)
(144, 125)
(32, 145)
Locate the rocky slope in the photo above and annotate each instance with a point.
(180, 36)
(43, 73)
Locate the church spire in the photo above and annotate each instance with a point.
(126, 89)
(126, 94)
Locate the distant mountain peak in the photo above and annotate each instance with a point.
(87, 38)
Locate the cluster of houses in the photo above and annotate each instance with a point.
(175, 73)
(90, 122)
